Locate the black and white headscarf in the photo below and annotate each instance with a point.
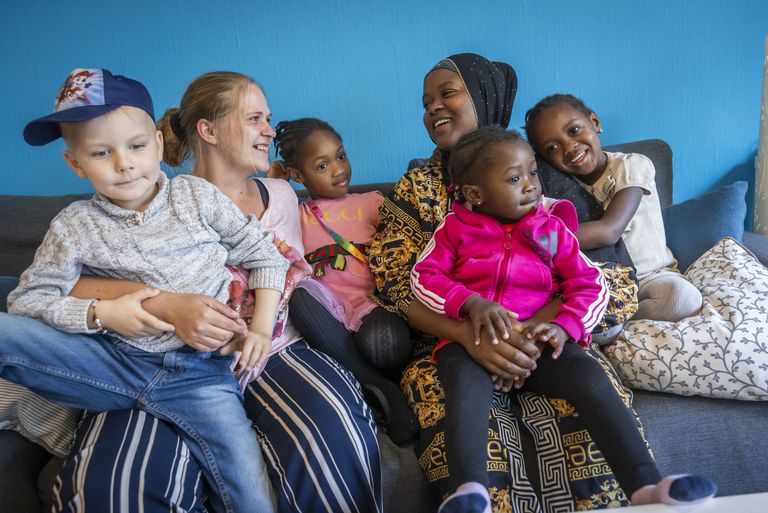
(491, 85)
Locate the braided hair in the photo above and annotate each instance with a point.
(472, 154)
(291, 137)
(549, 102)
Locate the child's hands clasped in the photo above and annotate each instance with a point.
(497, 320)
(547, 332)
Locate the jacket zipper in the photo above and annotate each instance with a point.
(504, 266)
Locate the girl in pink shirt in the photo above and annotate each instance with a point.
(333, 311)
(501, 255)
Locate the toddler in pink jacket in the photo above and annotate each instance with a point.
(513, 269)
(499, 258)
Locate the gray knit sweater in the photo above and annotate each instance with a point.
(180, 243)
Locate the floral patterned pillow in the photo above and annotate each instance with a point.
(723, 351)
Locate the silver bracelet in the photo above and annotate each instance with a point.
(99, 328)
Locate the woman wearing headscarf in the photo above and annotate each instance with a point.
(540, 457)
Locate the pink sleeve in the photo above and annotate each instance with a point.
(377, 199)
(431, 279)
(584, 292)
(565, 211)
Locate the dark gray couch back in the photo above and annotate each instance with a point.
(661, 155)
(25, 219)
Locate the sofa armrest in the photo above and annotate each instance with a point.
(757, 244)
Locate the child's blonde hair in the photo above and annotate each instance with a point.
(210, 96)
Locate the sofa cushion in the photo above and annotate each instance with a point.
(25, 221)
(694, 226)
(722, 351)
(661, 155)
(26, 218)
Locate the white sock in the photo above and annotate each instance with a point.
(468, 498)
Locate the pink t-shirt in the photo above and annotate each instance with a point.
(355, 217)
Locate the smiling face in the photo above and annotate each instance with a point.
(323, 166)
(246, 132)
(120, 153)
(510, 187)
(567, 138)
(448, 109)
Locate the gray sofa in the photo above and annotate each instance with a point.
(719, 438)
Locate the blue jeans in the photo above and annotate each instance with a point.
(194, 391)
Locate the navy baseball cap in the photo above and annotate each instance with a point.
(87, 94)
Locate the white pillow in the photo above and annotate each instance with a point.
(723, 351)
(37, 419)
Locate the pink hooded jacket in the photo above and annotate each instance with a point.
(521, 266)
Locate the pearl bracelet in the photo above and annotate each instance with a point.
(99, 328)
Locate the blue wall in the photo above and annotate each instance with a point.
(688, 71)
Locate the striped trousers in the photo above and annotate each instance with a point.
(316, 432)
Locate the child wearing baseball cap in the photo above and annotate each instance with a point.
(171, 234)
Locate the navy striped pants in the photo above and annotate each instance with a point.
(316, 432)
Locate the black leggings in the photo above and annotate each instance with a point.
(382, 342)
(576, 377)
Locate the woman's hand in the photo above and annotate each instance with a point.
(544, 315)
(497, 320)
(126, 316)
(278, 169)
(514, 358)
(202, 322)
